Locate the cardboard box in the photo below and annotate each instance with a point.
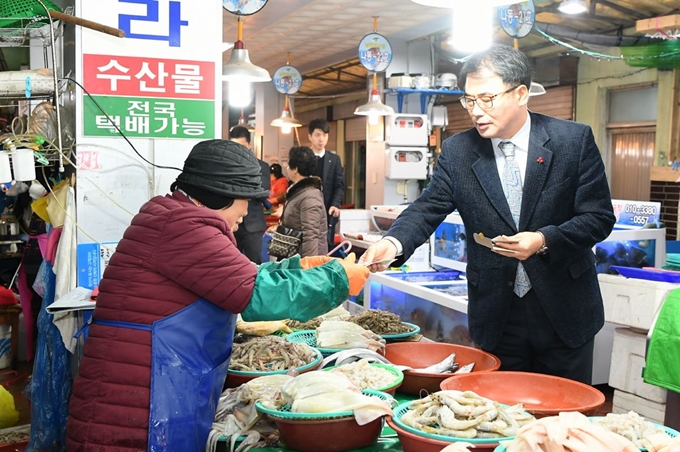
(627, 361)
(652, 25)
(651, 411)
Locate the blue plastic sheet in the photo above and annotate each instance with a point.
(50, 387)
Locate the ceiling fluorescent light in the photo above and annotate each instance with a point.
(573, 6)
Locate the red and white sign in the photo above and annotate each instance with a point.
(149, 77)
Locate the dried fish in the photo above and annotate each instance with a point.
(380, 322)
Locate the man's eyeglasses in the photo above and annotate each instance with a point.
(484, 102)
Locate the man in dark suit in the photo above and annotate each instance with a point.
(538, 186)
(329, 169)
(249, 234)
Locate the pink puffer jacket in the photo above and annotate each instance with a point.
(173, 253)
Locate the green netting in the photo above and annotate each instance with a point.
(660, 55)
(24, 13)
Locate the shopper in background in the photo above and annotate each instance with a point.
(304, 209)
(329, 169)
(279, 185)
(249, 235)
(158, 348)
(538, 186)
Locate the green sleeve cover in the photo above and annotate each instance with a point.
(286, 291)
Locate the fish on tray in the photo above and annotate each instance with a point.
(447, 366)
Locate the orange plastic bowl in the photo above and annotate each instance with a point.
(410, 442)
(423, 354)
(541, 395)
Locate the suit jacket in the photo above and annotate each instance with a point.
(333, 181)
(565, 196)
(254, 221)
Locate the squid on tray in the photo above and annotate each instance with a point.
(339, 334)
(236, 414)
(326, 392)
(567, 432)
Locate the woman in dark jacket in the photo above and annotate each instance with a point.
(304, 209)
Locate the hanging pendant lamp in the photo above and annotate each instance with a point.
(286, 121)
(374, 107)
(239, 67)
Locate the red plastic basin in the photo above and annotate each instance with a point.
(329, 435)
(411, 442)
(424, 354)
(541, 395)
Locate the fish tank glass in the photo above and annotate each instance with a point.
(448, 244)
(436, 322)
(425, 277)
(636, 248)
(454, 290)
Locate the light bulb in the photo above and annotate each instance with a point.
(471, 36)
(239, 93)
(286, 129)
(373, 119)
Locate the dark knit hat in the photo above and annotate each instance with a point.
(217, 169)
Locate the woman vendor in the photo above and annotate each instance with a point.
(159, 344)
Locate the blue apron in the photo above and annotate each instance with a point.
(190, 353)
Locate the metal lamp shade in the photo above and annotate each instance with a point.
(374, 107)
(285, 120)
(239, 67)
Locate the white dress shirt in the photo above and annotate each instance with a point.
(521, 142)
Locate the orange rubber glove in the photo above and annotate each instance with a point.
(356, 274)
(314, 261)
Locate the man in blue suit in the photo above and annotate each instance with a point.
(537, 185)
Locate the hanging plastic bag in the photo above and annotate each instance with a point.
(8, 412)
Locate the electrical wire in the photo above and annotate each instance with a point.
(75, 223)
(118, 128)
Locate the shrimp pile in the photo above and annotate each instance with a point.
(642, 433)
(465, 415)
(269, 354)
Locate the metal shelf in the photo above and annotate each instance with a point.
(425, 95)
(22, 37)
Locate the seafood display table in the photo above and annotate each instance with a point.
(387, 442)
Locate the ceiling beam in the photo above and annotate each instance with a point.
(621, 9)
(565, 17)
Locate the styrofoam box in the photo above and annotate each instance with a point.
(652, 411)
(632, 302)
(354, 220)
(628, 360)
